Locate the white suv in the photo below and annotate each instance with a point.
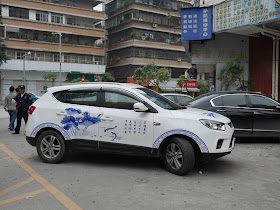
(128, 119)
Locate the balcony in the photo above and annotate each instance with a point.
(145, 61)
(147, 44)
(43, 6)
(52, 47)
(45, 26)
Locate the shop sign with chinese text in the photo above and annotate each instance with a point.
(190, 84)
(196, 23)
(237, 13)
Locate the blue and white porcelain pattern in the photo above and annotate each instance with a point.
(210, 114)
(51, 125)
(196, 138)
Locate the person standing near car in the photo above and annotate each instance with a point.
(23, 102)
(10, 107)
(17, 91)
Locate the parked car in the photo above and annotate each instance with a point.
(252, 114)
(33, 97)
(181, 99)
(128, 119)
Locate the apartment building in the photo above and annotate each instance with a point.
(36, 32)
(141, 32)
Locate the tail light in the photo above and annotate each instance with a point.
(31, 109)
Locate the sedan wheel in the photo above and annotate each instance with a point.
(51, 147)
(179, 157)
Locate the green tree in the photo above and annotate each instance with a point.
(162, 76)
(148, 71)
(79, 79)
(202, 86)
(107, 77)
(180, 81)
(140, 76)
(232, 74)
(50, 76)
(3, 56)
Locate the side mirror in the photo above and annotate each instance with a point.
(278, 107)
(139, 107)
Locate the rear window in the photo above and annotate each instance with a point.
(81, 97)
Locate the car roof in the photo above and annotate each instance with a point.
(92, 85)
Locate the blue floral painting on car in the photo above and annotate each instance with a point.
(72, 124)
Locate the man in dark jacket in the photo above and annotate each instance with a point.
(23, 101)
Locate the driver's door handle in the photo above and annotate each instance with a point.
(62, 113)
(106, 118)
(221, 110)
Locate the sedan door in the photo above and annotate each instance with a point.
(235, 107)
(266, 116)
(121, 128)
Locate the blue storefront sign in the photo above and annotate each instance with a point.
(196, 23)
(238, 13)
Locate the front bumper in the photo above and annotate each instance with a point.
(31, 140)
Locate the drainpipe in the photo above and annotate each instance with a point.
(273, 62)
(277, 70)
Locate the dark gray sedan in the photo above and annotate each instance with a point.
(252, 114)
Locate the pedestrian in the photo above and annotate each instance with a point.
(10, 107)
(23, 101)
(17, 90)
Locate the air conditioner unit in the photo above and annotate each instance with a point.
(154, 25)
(95, 62)
(179, 59)
(36, 58)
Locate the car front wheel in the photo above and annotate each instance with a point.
(51, 147)
(178, 156)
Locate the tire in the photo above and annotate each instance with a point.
(178, 156)
(51, 147)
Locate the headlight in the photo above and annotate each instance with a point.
(214, 125)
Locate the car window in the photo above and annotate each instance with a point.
(170, 97)
(81, 97)
(119, 100)
(234, 100)
(258, 101)
(183, 99)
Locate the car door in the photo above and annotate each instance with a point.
(235, 107)
(78, 115)
(121, 128)
(266, 115)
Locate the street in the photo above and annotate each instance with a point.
(248, 178)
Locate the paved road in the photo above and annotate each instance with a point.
(246, 179)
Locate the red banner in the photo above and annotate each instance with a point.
(191, 84)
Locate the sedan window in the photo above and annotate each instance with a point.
(158, 99)
(262, 102)
(234, 100)
(183, 99)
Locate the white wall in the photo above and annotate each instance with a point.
(52, 66)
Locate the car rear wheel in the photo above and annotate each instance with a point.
(178, 156)
(51, 147)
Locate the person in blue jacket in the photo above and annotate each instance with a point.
(23, 101)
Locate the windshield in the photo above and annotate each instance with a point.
(158, 99)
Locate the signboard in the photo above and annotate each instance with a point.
(237, 13)
(196, 23)
(191, 84)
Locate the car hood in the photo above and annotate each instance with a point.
(199, 114)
